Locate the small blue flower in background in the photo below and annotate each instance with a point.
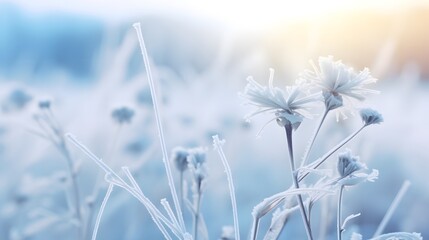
(123, 115)
(16, 100)
(45, 104)
(180, 158)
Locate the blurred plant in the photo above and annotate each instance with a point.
(52, 131)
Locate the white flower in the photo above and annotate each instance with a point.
(336, 80)
(289, 106)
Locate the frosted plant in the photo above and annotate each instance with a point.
(52, 131)
(338, 81)
(197, 165)
(335, 83)
(370, 116)
(290, 105)
(351, 173)
(179, 156)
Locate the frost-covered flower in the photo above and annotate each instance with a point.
(352, 171)
(370, 116)
(338, 81)
(122, 115)
(348, 164)
(196, 163)
(180, 158)
(289, 106)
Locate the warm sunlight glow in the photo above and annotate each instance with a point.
(260, 14)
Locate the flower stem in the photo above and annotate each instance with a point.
(63, 148)
(181, 189)
(340, 199)
(288, 128)
(313, 138)
(197, 214)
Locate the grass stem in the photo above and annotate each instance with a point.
(159, 125)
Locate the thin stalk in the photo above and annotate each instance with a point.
(181, 190)
(339, 225)
(134, 190)
(322, 159)
(75, 188)
(288, 129)
(392, 208)
(218, 145)
(313, 138)
(159, 126)
(100, 213)
(197, 214)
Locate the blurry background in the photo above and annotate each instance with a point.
(84, 56)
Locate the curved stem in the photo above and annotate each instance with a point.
(313, 138)
(288, 129)
(218, 145)
(101, 211)
(340, 199)
(254, 230)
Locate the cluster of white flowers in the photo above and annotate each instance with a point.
(333, 84)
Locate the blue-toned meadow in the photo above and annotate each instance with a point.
(171, 129)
